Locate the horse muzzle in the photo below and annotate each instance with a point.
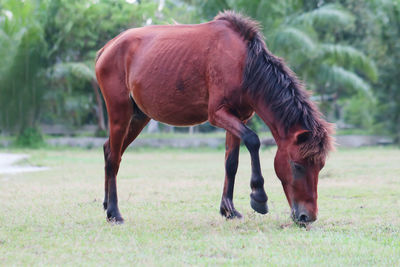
(301, 216)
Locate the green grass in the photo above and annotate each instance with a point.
(170, 202)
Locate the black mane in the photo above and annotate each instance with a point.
(267, 76)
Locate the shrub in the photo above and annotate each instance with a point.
(30, 137)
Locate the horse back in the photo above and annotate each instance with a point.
(177, 67)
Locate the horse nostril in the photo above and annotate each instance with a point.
(303, 218)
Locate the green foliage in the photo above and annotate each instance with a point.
(257, 124)
(101, 133)
(326, 18)
(76, 29)
(48, 49)
(348, 56)
(25, 52)
(308, 42)
(296, 40)
(357, 111)
(79, 70)
(30, 137)
(386, 51)
(344, 80)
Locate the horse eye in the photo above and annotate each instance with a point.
(297, 170)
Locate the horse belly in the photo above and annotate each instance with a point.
(176, 111)
(182, 101)
(168, 105)
(168, 83)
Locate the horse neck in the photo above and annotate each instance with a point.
(276, 127)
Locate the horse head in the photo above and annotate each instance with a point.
(298, 162)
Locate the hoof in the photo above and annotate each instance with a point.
(228, 210)
(230, 214)
(113, 216)
(115, 220)
(260, 207)
(301, 224)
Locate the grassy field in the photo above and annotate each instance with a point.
(170, 202)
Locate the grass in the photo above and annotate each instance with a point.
(170, 202)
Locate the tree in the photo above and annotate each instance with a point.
(385, 48)
(377, 32)
(24, 54)
(35, 36)
(73, 29)
(83, 71)
(313, 47)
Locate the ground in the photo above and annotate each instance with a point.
(170, 202)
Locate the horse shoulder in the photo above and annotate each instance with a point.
(225, 67)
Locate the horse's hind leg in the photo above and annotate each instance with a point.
(232, 146)
(138, 121)
(119, 121)
(121, 135)
(106, 150)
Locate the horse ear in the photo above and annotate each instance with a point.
(302, 136)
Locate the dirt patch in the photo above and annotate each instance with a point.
(8, 164)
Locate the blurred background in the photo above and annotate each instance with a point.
(346, 51)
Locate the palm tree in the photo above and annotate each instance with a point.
(330, 69)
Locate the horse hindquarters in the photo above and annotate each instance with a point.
(126, 121)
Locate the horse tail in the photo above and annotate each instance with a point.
(98, 54)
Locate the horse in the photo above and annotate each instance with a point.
(223, 72)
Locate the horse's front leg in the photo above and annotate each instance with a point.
(223, 118)
(232, 145)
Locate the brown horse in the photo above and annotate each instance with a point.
(220, 71)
